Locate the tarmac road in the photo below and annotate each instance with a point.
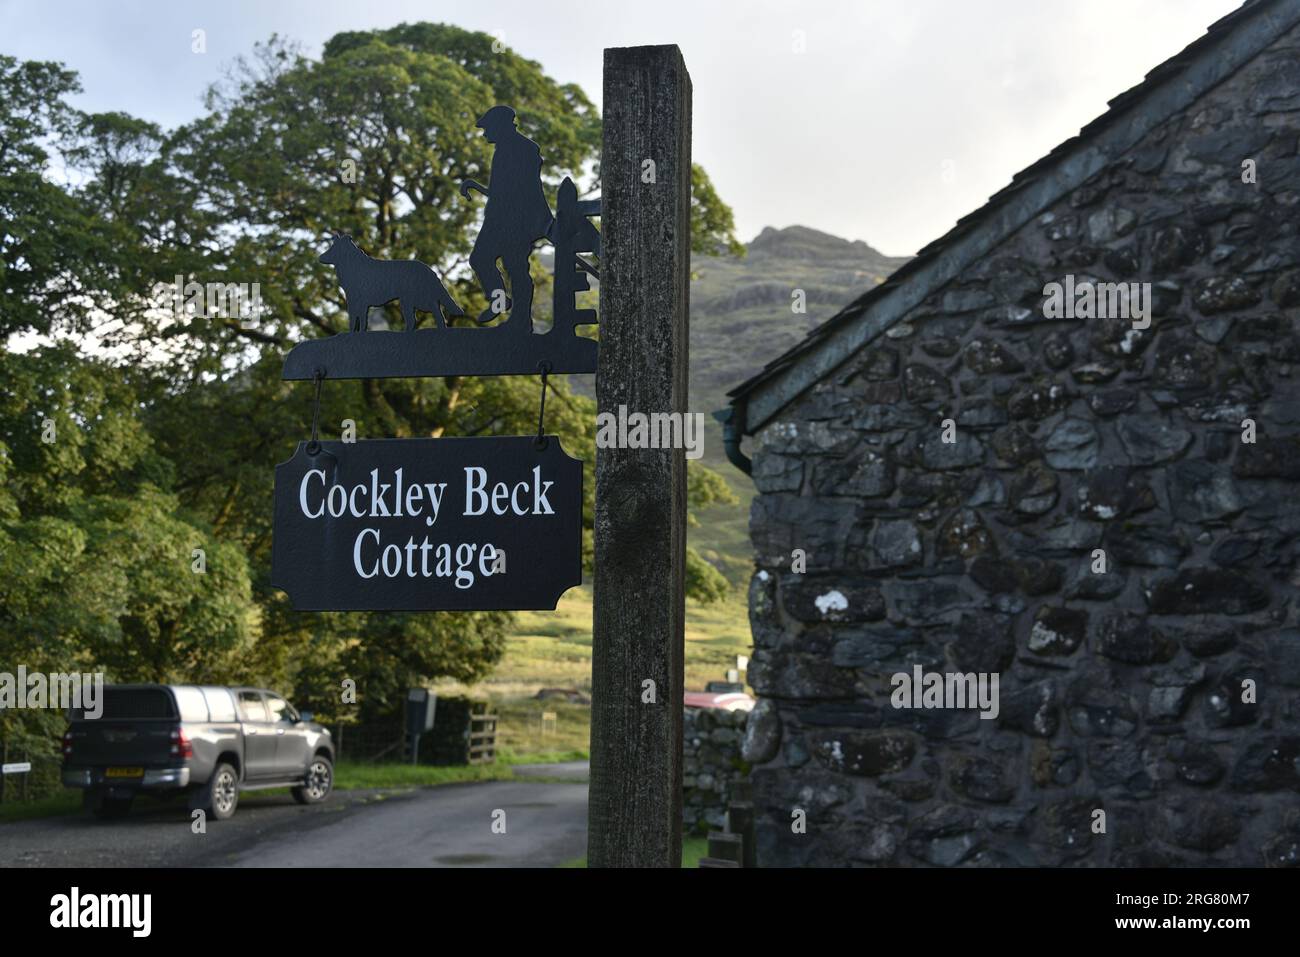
(545, 824)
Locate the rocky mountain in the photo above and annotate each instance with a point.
(742, 312)
(742, 308)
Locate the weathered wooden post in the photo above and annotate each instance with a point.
(635, 803)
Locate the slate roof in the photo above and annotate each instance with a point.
(1227, 45)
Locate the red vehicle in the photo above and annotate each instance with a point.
(724, 701)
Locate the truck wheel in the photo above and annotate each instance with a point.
(220, 796)
(319, 782)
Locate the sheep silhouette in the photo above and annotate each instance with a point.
(371, 282)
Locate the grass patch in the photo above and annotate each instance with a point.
(693, 848)
(541, 757)
(553, 648)
(350, 775)
(520, 731)
(66, 802)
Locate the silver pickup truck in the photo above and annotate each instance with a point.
(209, 742)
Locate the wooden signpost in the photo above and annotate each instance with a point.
(496, 523)
(634, 816)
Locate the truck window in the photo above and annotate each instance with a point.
(250, 703)
(220, 704)
(133, 704)
(281, 710)
(192, 704)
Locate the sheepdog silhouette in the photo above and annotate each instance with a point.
(375, 282)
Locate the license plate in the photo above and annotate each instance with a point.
(124, 773)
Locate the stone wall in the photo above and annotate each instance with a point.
(1126, 691)
(711, 759)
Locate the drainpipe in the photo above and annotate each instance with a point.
(731, 436)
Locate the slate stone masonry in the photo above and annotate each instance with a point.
(711, 764)
(1121, 691)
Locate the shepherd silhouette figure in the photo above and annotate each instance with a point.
(516, 217)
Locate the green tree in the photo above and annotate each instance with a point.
(96, 551)
(713, 226)
(97, 556)
(98, 561)
(373, 139)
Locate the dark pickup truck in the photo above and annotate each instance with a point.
(209, 742)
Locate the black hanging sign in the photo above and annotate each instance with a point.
(453, 524)
(516, 218)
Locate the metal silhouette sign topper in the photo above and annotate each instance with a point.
(517, 217)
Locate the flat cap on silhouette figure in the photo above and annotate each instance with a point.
(516, 217)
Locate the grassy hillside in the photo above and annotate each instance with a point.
(741, 309)
(553, 650)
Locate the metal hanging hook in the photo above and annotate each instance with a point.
(540, 442)
(313, 446)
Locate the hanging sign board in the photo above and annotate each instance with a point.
(452, 524)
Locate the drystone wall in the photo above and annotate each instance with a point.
(711, 764)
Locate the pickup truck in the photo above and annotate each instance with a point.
(208, 742)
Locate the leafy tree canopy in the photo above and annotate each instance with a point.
(167, 442)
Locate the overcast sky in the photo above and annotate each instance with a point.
(853, 135)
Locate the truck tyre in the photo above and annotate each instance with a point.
(219, 797)
(319, 781)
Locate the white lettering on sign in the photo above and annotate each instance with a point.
(423, 559)
(505, 498)
(370, 500)
(394, 496)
